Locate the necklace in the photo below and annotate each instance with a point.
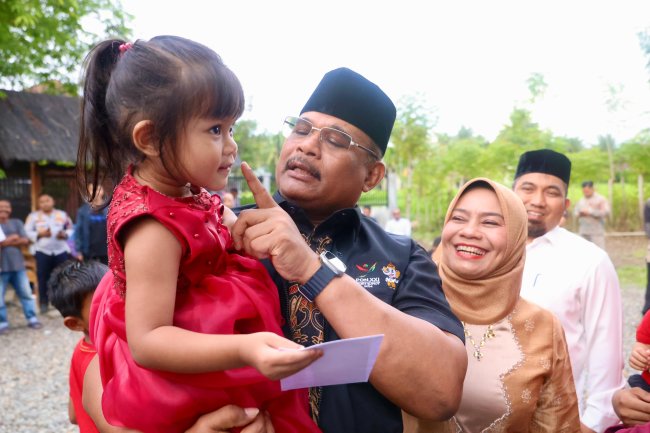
(488, 334)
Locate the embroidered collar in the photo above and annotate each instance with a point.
(340, 221)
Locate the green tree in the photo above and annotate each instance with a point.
(537, 86)
(410, 143)
(635, 156)
(521, 135)
(259, 150)
(644, 40)
(45, 41)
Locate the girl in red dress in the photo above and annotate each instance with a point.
(182, 324)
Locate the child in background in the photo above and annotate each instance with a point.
(640, 356)
(182, 324)
(70, 289)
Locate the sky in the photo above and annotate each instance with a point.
(467, 61)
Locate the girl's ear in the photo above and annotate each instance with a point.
(143, 138)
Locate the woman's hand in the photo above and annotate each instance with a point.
(274, 356)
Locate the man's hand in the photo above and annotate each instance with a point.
(269, 232)
(222, 420)
(632, 405)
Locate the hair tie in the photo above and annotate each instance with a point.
(125, 47)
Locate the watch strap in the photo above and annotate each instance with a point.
(317, 283)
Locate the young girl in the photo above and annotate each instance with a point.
(182, 325)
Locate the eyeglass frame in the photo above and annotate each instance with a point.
(320, 134)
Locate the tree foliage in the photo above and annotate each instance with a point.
(45, 41)
(410, 143)
(260, 150)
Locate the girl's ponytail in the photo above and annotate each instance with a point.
(98, 146)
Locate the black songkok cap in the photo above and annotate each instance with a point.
(348, 96)
(545, 161)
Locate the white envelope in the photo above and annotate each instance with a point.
(343, 361)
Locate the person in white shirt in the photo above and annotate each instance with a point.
(49, 229)
(592, 210)
(577, 281)
(398, 225)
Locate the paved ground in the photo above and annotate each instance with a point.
(34, 364)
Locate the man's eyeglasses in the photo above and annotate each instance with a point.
(297, 129)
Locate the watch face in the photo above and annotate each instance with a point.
(338, 264)
(333, 262)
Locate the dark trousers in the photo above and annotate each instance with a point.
(45, 263)
(646, 305)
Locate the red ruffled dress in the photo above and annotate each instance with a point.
(219, 292)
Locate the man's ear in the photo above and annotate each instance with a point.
(74, 323)
(567, 203)
(143, 138)
(375, 174)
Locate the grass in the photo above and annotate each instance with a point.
(631, 276)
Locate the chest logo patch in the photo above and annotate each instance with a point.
(364, 280)
(392, 275)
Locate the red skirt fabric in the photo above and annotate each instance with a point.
(154, 401)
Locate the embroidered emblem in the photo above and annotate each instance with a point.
(392, 275)
(545, 363)
(529, 325)
(526, 396)
(366, 269)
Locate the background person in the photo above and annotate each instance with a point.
(228, 200)
(397, 224)
(90, 229)
(367, 212)
(12, 268)
(577, 281)
(519, 374)
(70, 289)
(49, 229)
(592, 210)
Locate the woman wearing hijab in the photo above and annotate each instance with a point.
(519, 375)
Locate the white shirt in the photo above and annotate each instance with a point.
(56, 221)
(577, 281)
(401, 226)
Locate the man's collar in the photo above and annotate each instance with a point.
(552, 237)
(341, 219)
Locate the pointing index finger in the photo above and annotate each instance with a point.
(261, 196)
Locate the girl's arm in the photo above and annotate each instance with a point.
(152, 255)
